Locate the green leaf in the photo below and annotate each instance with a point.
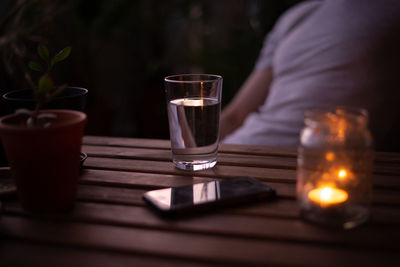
(35, 66)
(63, 54)
(43, 52)
(46, 84)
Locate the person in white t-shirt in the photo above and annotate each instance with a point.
(319, 54)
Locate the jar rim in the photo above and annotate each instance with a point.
(355, 115)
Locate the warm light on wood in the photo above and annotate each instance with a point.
(328, 195)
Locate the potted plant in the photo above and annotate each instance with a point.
(64, 97)
(43, 146)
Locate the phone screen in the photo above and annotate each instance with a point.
(207, 194)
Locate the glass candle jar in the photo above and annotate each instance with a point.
(335, 160)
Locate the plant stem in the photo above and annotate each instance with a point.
(35, 113)
(29, 80)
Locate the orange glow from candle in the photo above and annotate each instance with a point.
(201, 95)
(330, 156)
(342, 174)
(327, 195)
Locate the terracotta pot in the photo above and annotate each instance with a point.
(70, 98)
(45, 161)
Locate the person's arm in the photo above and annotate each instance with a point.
(249, 98)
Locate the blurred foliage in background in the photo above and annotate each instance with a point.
(122, 50)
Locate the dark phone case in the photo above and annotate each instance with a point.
(246, 189)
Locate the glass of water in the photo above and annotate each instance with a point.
(194, 105)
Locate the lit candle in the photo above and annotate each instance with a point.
(327, 196)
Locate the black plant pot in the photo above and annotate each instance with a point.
(71, 98)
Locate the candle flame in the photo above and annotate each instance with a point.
(327, 195)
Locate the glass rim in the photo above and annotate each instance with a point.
(175, 78)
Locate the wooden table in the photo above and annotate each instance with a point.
(111, 225)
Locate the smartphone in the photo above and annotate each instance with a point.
(209, 195)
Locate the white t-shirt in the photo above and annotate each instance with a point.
(330, 53)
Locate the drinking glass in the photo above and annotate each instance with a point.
(194, 106)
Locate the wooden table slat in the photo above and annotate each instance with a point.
(220, 171)
(225, 223)
(387, 157)
(31, 254)
(165, 155)
(383, 168)
(165, 144)
(187, 246)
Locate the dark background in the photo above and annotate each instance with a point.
(122, 50)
